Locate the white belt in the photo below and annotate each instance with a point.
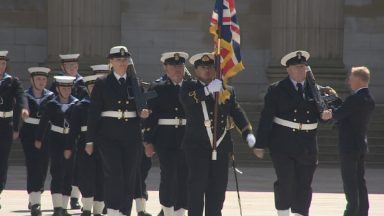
(84, 128)
(207, 124)
(172, 122)
(119, 114)
(6, 114)
(34, 121)
(59, 129)
(294, 125)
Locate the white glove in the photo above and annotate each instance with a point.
(251, 139)
(215, 86)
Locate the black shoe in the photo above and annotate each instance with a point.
(143, 213)
(105, 210)
(75, 203)
(65, 213)
(36, 210)
(161, 213)
(57, 212)
(29, 205)
(86, 213)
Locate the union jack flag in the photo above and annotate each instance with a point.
(224, 25)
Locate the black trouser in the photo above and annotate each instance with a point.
(141, 175)
(61, 169)
(209, 178)
(75, 171)
(6, 134)
(355, 189)
(173, 178)
(294, 178)
(90, 174)
(36, 161)
(143, 169)
(120, 160)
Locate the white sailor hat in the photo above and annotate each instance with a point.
(202, 59)
(69, 57)
(294, 58)
(174, 58)
(39, 71)
(101, 68)
(64, 80)
(91, 79)
(119, 52)
(4, 55)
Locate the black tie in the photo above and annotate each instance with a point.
(122, 81)
(300, 90)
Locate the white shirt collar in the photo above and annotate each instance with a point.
(203, 83)
(118, 76)
(295, 83)
(179, 84)
(357, 90)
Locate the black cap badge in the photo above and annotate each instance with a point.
(122, 52)
(176, 56)
(205, 58)
(299, 55)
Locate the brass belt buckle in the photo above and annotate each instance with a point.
(121, 114)
(207, 123)
(65, 130)
(300, 126)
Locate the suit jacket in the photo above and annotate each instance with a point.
(165, 106)
(283, 101)
(353, 119)
(196, 136)
(109, 95)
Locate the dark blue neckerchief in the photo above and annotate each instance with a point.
(64, 107)
(38, 101)
(5, 77)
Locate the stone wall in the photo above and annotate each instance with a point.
(149, 29)
(364, 40)
(23, 33)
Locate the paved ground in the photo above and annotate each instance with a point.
(255, 186)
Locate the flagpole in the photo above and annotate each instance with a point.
(218, 75)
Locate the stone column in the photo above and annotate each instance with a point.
(88, 27)
(313, 25)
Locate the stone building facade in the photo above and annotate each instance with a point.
(337, 33)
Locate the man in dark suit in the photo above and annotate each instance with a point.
(164, 131)
(208, 166)
(353, 118)
(288, 127)
(114, 126)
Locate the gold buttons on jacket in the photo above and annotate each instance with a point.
(295, 111)
(176, 108)
(307, 121)
(119, 102)
(307, 111)
(294, 120)
(293, 130)
(126, 102)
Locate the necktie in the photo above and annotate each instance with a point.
(300, 90)
(122, 81)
